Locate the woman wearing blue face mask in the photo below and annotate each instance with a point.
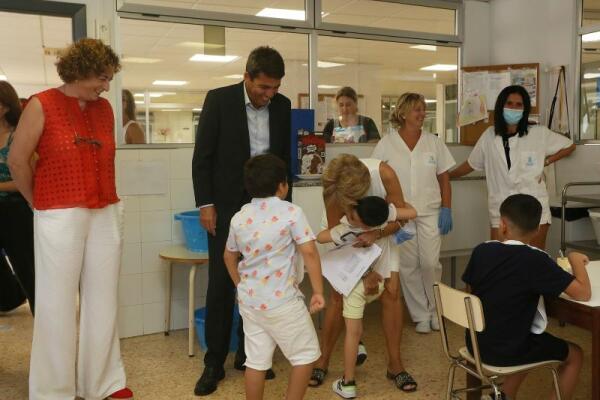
(513, 156)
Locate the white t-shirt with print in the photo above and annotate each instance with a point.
(266, 232)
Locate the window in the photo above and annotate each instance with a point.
(591, 13)
(380, 48)
(277, 10)
(388, 15)
(169, 87)
(380, 72)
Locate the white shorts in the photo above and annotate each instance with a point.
(288, 326)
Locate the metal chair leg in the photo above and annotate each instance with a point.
(556, 385)
(451, 371)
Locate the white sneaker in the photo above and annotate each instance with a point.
(435, 324)
(423, 327)
(345, 391)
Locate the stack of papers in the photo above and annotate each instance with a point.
(344, 266)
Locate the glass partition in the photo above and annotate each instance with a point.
(380, 72)
(389, 15)
(169, 67)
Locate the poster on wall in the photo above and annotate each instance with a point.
(489, 84)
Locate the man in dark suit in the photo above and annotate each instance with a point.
(237, 122)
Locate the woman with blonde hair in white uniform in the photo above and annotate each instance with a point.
(513, 156)
(421, 160)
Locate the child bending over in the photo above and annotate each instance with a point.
(370, 213)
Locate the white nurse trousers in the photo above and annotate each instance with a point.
(420, 267)
(77, 251)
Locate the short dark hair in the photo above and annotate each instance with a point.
(522, 210)
(266, 60)
(500, 125)
(263, 174)
(372, 210)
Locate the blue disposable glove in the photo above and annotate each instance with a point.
(402, 236)
(407, 232)
(445, 220)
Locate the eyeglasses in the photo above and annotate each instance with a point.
(82, 139)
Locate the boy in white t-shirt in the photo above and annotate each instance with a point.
(266, 233)
(370, 213)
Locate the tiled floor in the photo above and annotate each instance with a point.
(158, 367)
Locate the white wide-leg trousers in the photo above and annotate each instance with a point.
(77, 251)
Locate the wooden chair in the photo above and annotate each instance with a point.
(466, 310)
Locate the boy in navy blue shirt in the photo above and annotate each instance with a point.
(509, 276)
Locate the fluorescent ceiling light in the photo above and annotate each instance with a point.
(328, 87)
(326, 64)
(591, 75)
(140, 60)
(430, 101)
(282, 13)
(440, 67)
(171, 109)
(591, 37)
(212, 58)
(426, 47)
(285, 13)
(139, 102)
(3, 77)
(234, 76)
(155, 94)
(201, 45)
(169, 83)
(196, 109)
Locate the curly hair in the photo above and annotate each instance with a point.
(345, 180)
(9, 98)
(86, 58)
(406, 103)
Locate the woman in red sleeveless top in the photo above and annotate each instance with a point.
(77, 228)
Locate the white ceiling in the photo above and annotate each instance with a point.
(23, 38)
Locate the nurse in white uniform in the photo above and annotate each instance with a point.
(421, 160)
(513, 156)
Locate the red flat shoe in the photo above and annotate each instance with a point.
(123, 394)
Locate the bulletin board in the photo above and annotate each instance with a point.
(489, 80)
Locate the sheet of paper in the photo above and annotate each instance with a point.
(474, 82)
(473, 109)
(527, 79)
(496, 82)
(345, 265)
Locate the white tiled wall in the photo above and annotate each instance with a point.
(150, 227)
